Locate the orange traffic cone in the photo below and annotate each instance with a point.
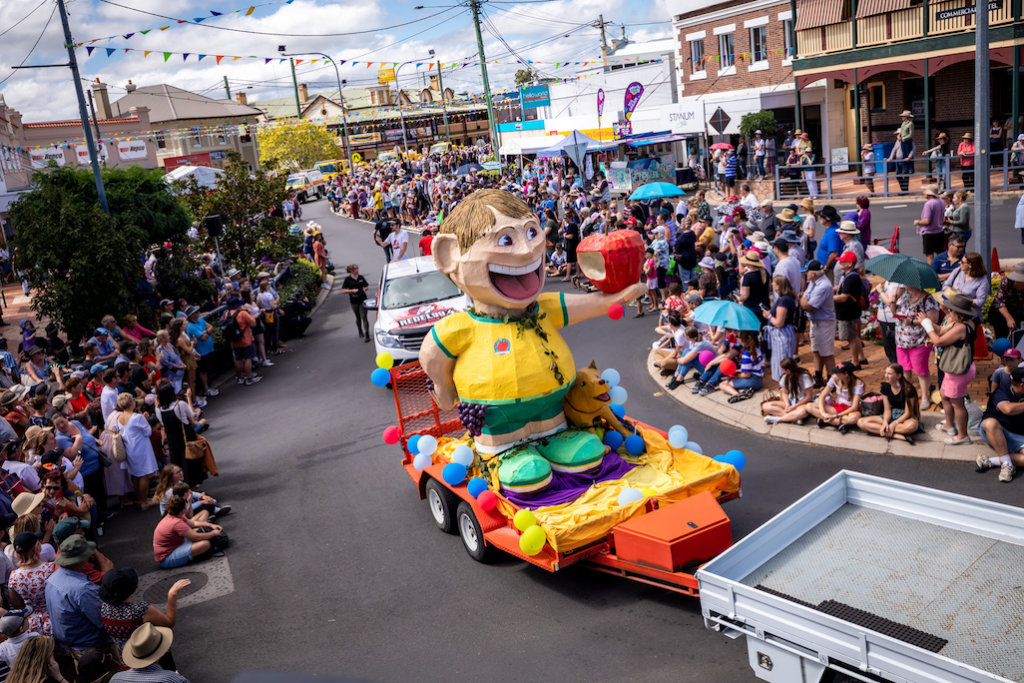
(995, 261)
(981, 351)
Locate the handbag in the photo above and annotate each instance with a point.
(117, 450)
(874, 407)
(766, 397)
(269, 317)
(957, 358)
(197, 450)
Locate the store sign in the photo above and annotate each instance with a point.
(626, 177)
(967, 10)
(622, 129)
(683, 119)
(364, 138)
(201, 159)
(535, 96)
(44, 155)
(132, 149)
(386, 76)
(82, 153)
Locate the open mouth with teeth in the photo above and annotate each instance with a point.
(518, 283)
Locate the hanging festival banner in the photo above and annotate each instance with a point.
(44, 155)
(632, 99)
(600, 102)
(132, 149)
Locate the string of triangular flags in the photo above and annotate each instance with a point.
(244, 11)
(199, 56)
(742, 56)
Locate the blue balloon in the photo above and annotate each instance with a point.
(618, 395)
(635, 444)
(734, 458)
(611, 375)
(453, 473)
(680, 429)
(1000, 346)
(422, 461)
(613, 440)
(413, 444)
(380, 377)
(476, 486)
(677, 436)
(618, 410)
(694, 446)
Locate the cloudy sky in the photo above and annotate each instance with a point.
(360, 30)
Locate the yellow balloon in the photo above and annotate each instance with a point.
(524, 519)
(532, 541)
(649, 493)
(385, 360)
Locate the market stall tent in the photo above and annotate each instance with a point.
(206, 177)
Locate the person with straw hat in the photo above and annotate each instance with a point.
(755, 284)
(142, 654)
(930, 224)
(965, 150)
(956, 339)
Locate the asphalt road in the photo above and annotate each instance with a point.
(902, 212)
(338, 569)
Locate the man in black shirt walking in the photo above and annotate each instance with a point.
(355, 286)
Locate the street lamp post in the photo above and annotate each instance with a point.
(341, 97)
(444, 103)
(401, 114)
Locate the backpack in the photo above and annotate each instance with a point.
(230, 328)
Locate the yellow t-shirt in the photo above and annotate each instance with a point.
(501, 362)
(378, 201)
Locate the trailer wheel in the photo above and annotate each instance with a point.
(441, 502)
(472, 535)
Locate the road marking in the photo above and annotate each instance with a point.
(895, 206)
(218, 582)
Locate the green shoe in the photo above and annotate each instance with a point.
(572, 451)
(523, 470)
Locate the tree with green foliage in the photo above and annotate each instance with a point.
(763, 121)
(296, 145)
(243, 199)
(83, 263)
(524, 76)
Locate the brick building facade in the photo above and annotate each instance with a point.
(737, 56)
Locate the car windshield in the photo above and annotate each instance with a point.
(326, 168)
(439, 148)
(420, 288)
(296, 180)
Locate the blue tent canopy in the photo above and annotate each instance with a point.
(566, 144)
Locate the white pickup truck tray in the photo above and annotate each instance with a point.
(924, 566)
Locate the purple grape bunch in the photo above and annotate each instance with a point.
(472, 417)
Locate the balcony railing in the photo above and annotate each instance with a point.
(901, 25)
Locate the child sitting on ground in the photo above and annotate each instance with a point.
(839, 403)
(797, 393)
(688, 357)
(1001, 375)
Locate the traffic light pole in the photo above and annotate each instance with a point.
(492, 126)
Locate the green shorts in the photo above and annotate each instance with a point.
(511, 415)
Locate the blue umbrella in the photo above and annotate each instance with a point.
(728, 314)
(468, 169)
(656, 191)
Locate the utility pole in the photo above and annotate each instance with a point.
(982, 162)
(227, 87)
(101, 192)
(95, 123)
(604, 41)
(295, 84)
(475, 6)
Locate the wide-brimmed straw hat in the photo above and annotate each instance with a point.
(787, 215)
(906, 113)
(808, 204)
(932, 190)
(752, 261)
(849, 228)
(147, 645)
(967, 136)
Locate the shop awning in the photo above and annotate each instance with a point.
(657, 139)
(525, 145)
(815, 13)
(870, 8)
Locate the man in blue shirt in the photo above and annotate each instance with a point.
(831, 245)
(73, 601)
(945, 263)
(201, 332)
(106, 349)
(821, 315)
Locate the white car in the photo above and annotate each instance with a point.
(413, 295)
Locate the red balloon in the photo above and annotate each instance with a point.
(487, 500)
(616, 311)
(392, 435)
(728, 368)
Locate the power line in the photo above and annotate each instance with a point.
(34, 45)
(268, 33)
(15, 24)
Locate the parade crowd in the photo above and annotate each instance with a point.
(798, 268)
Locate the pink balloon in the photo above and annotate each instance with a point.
(706, 357)
(392, 435)
(487, 500)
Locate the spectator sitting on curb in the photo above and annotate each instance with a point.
(121, 617)
(1002, 428)
(901, 408)
(98, 564)
(796, 396)
(839, 404)
(1001, 376)
(18, 628)
(690, 357)
(177, 541)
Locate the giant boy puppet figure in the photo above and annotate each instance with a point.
(506, 352)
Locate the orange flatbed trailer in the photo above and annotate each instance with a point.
(647, 543)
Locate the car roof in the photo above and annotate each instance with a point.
(420, 264)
